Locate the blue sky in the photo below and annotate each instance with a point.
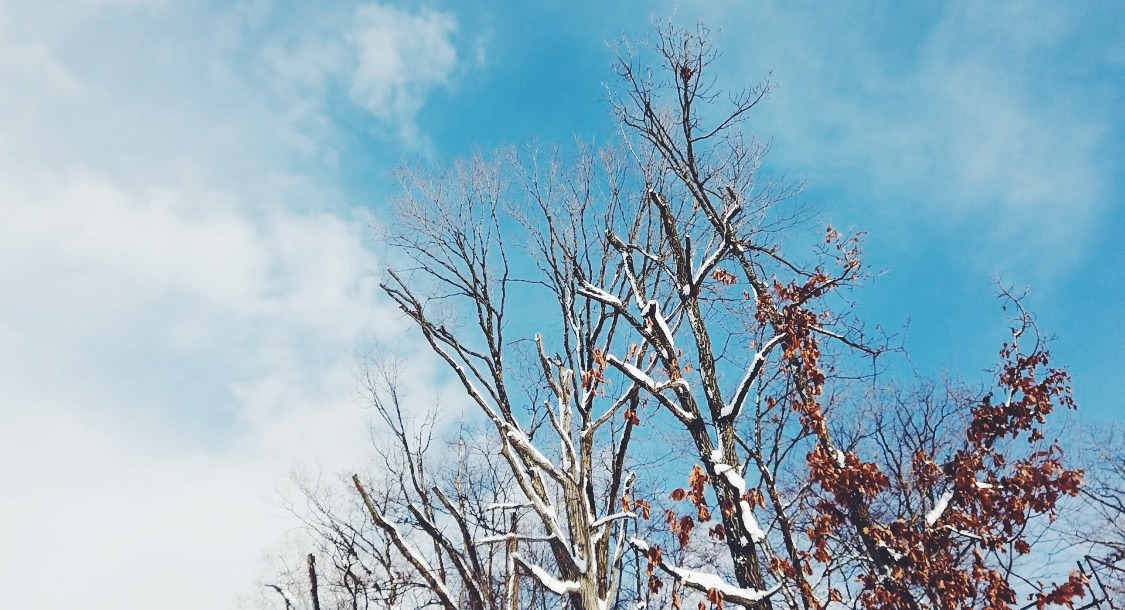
(186, 190)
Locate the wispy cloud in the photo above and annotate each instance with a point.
(952, 116)
(401, 56)
(387, 61)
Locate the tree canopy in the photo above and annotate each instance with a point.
(676, 405)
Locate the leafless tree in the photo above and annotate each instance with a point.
(1099, 528)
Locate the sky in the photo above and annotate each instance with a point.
(187, 191)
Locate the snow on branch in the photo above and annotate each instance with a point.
(623, 248)
(706, 267)
(559, 587)
(730, 473)
(412, 555)
(614, 517)
(745, 511)
(506, 505)
(528, 451)
(939, 508)
(703, 581)
(529, 483)
(749, 522)
(642, 379)
(662, 333)
(735, 405)
(499, 538)
(593, 292)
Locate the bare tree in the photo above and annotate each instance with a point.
(621, 315)
(1099, 529)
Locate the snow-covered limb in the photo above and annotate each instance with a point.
(735, 208)
(735, 405)
(591, 291)
(939, 508)
(511, 584)
(707, 266)
(660, 330)
(642, 379)
(634, 373)
(969, 535)
(562, 390)
(528, 482)
(730, 473)
(745, 511)
(749, 523)
(613, 517)
(506, 505)
(412, 556)
(562, 429)
(559, 587)
(678, 382)
(506, 537)
(702, 581)
(622, 248)
(528, 451)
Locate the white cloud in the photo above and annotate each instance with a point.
(401, 57)
(388, 60)
(184, 286)
(165, 367)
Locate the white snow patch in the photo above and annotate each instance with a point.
(662, 328)
(711, 581)
(593, 292)
(639, 375)
(731, 474)
(893, 553)
(613, 517)
(749, 522)
(939, 508)
(559, 587)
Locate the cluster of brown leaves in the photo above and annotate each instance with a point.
(682, 525)
(939, 561)
(637, 506)
(594, 378)
(724, 277)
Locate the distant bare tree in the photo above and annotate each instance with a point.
(1100, 529)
